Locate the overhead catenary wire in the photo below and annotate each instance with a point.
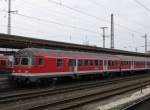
(28, 31)
(114, 11)
(85, 21)
(87, 14)
(58, 23)
(88, 21)
(54, 22)
(93, 16)
(142, 5)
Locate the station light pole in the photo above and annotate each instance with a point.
(103, 28)
(112, 32)
(145, 36)
(9, 17)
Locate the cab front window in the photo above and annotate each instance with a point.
(25, 61)
(17, 61)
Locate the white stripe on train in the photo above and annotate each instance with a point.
(70, 73)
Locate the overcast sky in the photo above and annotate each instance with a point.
(79, 21)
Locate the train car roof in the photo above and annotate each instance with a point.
(75, 54)
(49, 52)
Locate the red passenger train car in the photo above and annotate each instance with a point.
(33, 64)
(5, 65)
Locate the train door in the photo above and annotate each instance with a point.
(131, 65)
(105, 65)
(72, 65)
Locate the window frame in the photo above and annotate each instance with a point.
(91, 63)
(96, 62)
(18, 61)
(73, 63)
(24, 58)
(41, 61)
(58, 64)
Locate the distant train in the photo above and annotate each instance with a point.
(31, 64)
(5, 65)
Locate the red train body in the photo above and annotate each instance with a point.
(33, 64)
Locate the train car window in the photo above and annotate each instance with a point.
(100, 62)
(3, 62)
(96, 62)
(132, 62)
(116, 63)
(121, 63)
(86, 63)
(129, 62)
(40, 61)
(135, 63)
(91, 62)
(10, 63)
(79, 62)
(124, 63)
(105, 63)
(17, 61)
(24, 61)
(82, 62)
(59, 62)
(71, 62)
(109, 63)
(113, 63)
(75, 63)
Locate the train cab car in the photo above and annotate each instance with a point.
(33, 64)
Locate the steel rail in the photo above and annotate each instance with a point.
(111, 86)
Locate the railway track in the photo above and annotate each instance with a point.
(136, 103)
(5, 85)
(30, 93)
(65, 98)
